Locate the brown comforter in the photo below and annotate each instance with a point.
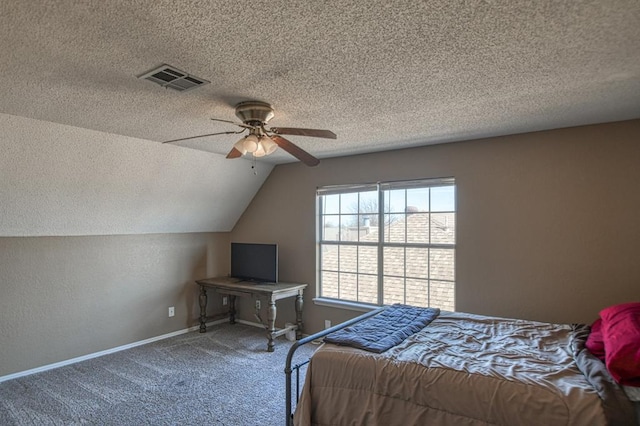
(461, 369)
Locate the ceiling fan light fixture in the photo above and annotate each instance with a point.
(240, 146)
(249, 143)
(268, 144)
(260, 152)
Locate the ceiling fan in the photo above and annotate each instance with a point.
(262, 140)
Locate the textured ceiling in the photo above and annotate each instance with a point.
(64, 180)
(80, 150)
(380, 74)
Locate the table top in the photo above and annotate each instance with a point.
(238, 284)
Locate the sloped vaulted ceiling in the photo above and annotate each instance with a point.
(80, 132)
(62, 180)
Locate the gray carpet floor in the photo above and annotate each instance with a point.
(222, 377)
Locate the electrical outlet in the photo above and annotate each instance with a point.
(225, 300)
(327, 324)
(172, 311)
(257, 303)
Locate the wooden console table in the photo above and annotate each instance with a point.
(233, 287)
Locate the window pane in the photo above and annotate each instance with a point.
(393, 290)
(386, 229)
(395, 201)
(348, 286)
(417, 262)
(331, 204)
(415, 217)
(368, 260)
(368, 288)
(443, 199)
(349, 228)
(348, 258)
(330, 284)
(394, 228)
(330, 257)
(394, 261)
(418, 228)
(418, 200)
(349, 203)
(417, 292)
(369, 227)
(443, 228)
(330, 228)
(368, 202)
(441, 264)
(443, 295)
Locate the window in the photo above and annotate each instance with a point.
(391, 242)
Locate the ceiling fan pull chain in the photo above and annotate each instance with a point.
(253, 166)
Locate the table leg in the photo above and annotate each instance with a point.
(232, 309)
(271, 322)
(299, 315)
(203, 309)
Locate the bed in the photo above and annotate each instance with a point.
(463, 369)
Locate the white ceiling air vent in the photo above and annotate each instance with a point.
(168, 76)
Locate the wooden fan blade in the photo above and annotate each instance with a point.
(234, 153)
(316, 133)
(202, 136)
(296, 151)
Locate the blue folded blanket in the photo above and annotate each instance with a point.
(385, 330)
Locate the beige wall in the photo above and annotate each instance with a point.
(65, 297)
(548, 222)
(548, 229)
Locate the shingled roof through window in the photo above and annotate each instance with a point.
(430, 271)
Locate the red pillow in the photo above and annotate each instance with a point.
(621, 334)
(594, 343)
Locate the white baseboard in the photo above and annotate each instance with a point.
(117, 349)
(252, 324)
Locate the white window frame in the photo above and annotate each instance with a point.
(380, 187)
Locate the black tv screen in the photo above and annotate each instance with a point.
(254, 262)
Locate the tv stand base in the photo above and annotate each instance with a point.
(273, 292)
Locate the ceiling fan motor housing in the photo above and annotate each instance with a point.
(251, 112)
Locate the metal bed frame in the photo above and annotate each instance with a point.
(289, 369)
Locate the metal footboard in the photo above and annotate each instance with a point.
(289, 369)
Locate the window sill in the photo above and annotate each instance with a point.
(343, 304)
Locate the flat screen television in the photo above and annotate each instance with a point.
(254, 262)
